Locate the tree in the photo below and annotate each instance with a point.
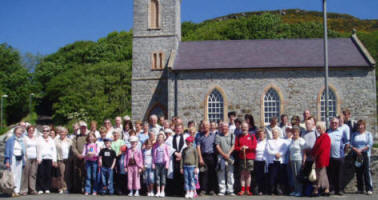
(15, 81)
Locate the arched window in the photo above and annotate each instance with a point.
(272, 104)
(332, 104)
(154, 14)
(215, 106)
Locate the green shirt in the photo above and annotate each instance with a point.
(116, 146)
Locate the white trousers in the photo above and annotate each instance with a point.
(226, 173)
(16, 170)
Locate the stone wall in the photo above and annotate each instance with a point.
(300, 90)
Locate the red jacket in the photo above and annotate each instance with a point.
(321, 151)
(246, 140)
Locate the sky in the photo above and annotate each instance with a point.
(44, 26)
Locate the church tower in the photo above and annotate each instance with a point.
(156, 35)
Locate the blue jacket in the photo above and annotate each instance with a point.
(9, 146)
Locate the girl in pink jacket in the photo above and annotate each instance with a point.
(160, 162)
(134, 165)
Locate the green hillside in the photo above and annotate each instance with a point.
(92, 80)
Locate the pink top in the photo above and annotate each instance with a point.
(90, 148)
(136, 155)
(160, 157)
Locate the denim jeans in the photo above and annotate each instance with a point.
(160, 174)
(107, 179)
(149, 176)
(190, 183)
(91, 168)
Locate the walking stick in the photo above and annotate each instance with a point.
(245, 159)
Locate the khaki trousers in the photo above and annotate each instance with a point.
(63, 179)
(29, 176)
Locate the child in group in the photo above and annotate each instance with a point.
(189, 167)
(134, 166)
(122, 174)
(90, 153)
(148, 171)
(160, 163)
(107, 161)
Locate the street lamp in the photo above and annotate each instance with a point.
(2, 103)
(30, 102)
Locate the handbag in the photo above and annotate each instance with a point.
(312, 176)
(6, 182)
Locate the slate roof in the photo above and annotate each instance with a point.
(285, 53)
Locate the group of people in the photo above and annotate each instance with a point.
(162, 157)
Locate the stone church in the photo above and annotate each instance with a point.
(265, 78)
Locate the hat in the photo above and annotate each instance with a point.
(107, 140)
(133, 139)
(126, 118)
(123, 148)
(189, 139)
(83, 124)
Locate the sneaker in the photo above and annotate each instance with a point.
(369, 192)
(293, 194)
(47, 191)
(232, 194)
(40, 192)
(94, 193)
(220, 194)
(61, 191)
(187, 195)
(191, 195)
(130, 194)
(157, 194)
(136, 194)
(298, 194)
(86, 194)
(162, 194)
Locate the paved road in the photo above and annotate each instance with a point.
(114, 197)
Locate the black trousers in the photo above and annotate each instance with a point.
(278, 180)
(363, 175)
(259, 174)
(335, 171)
(176, 186)
(208, 179)
(44, 175)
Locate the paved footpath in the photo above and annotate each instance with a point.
(115, 197)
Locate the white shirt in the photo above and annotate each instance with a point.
(31, 147)
(47, 149)
(261, 150)
(109, 134)
(231, 128)
(155, 129)
(65, 150)
(17, 148)
(296, 148)
(277, 146)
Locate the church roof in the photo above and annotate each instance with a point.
(284, 53)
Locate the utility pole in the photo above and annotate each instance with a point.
(325, 60)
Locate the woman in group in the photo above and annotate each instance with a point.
(63, 145)
(127, 126)
(251, 123)
(46, 159)
(29, 173)
(276, 151)
(321, 154)
(260, 161)
(297, 158)
(362, 142)
(14, 157)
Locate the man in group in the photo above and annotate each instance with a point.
(178, 144)
(77, 175)
(273, 124)
(154, 126)
(118, 123)
(109, 128)
(231, 121)
(225, 142)
(349, 121)
(306, 115)
(339, 142)
(205, 142)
